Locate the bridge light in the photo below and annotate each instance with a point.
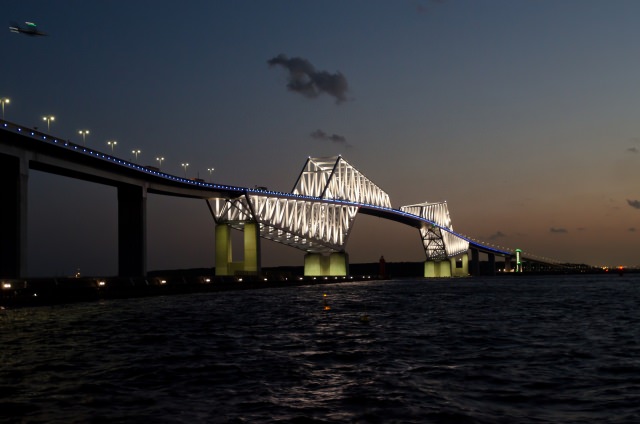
(84, 134)
(49, 119)
(4, 101)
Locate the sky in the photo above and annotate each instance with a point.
(521, 114)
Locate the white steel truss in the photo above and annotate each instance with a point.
(335, 178)
(438, 244)
(315, 227)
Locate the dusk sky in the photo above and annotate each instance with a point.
(522, 114)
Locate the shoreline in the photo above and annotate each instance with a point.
(54, 291)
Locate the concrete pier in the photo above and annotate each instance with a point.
(250, 265)
(334, 265)
(457, 266)
(14, 175)
(132, 231)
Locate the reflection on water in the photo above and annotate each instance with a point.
(491, 350)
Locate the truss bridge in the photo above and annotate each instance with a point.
(316, 216)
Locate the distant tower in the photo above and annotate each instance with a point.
(382, 269)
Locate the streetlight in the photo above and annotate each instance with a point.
(49, 119)
(136, 153)
(210, 171)
(4, 101)
(84, 134)
(185, 166)
(160, 159)
(112, 144)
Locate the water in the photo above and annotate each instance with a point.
(482, 350)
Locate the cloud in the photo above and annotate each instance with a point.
(634, 203)
(304, 79)
(632, 149)
(632, 230)
(558, 230)
(497, 235)
(334, 138)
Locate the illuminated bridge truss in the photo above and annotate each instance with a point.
(439, 244)
(312, 226)
(335, 178)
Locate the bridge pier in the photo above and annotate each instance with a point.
(319, 265)
(460, 265)
(250, 265)
(475, 262)
(507, 264)
(132, 231)
(14, 176)
(457, 266)
(492, 263)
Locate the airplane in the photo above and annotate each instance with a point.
(29, 29)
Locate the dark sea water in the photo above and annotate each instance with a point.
(478, 350)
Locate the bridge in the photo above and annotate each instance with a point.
(315, 217)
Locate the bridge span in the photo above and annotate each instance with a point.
(315, 217)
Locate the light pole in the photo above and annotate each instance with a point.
(4, 101)
(84, 134)
(112, 144)
(160, 159)
(136, 153)
(210, 172)
(49, 119)
(185, 166)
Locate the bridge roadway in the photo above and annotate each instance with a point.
(22, 148)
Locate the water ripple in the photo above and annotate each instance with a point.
(530, 350)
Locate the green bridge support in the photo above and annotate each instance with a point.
(334, 265)
(250, 265)
(457, 266)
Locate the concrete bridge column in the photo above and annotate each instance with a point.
(338, 264)
(319, 265)
(250, 265)
(224, 254)
(492, 263)
(434, 269)
(14, 176)
(460, 265)
(475, 262)
(507, 264)
(132, 231)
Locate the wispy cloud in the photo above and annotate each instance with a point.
(304, 79)
(334, 138)
(632, 149)
(632, 230)
(634, 203)
(497, 235)
(558, 230)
